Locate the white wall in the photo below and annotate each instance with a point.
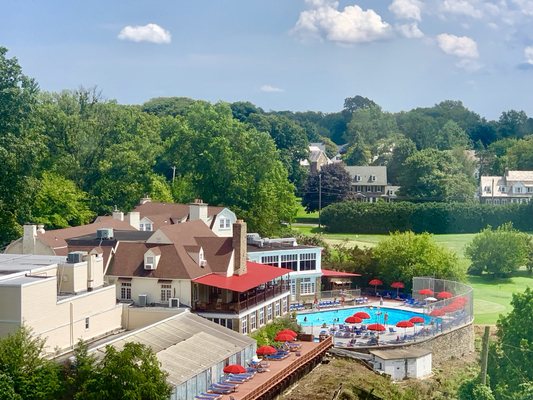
(181, 288)
(225, 213)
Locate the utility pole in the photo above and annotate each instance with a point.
(319, 198)
(485, 356)
(173, 173)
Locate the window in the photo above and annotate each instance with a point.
(149, 260)
(253, 322)
(244, 325)
(357, 178)
(307, 261)
(229, 323)
(224, 223)
(487, 189)
(261, 316)
(269, 312)
(503, 189)
(372, 178)
(277, 309)
(147, 226)
(307, 286)
(284, 305)
(530, 189)
(87, 323)
(166, 293)
(270, 260)
(125, 291)
(289, 261)
(518, 190)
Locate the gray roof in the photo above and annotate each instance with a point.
(185, 344)
(400, 354)
(13, 263)
(366, 172)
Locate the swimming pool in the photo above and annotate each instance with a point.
(377, 314)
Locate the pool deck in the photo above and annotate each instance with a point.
(278, 371)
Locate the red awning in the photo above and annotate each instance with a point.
(328, 273)
(257, 274)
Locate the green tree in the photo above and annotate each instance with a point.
(498, 251)
(29, 375)
(452, 135)
(171, 106)
(370, 124)
(402, 150)
(403, 256)
(332, 184)
(510, 362)
(473, 389)
(358, 154)
(59, 203)
(435, 175)
(132, 373)
(520, 155)
(352, 104)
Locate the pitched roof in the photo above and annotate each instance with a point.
(523, 176)
(162, 214)
(257, 274)
(338, 274)
(175, 261)
(365, 172)
(56, 238)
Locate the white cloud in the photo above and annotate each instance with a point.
(410, 31)
(459, 46)
(270, 89)
(528, 53)
(407, 9)
(351, 25)
(525, 6)
(152, 33)
(462, 7)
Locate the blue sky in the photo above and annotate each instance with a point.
(282, 54)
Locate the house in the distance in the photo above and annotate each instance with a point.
(317, 158)
(305, 262)
(513, 187)
(62, 299)
(369, 183)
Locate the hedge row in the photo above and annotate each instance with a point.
(358, 217)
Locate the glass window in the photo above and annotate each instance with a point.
(125, 291)
(307, 286)
(307, 261)
(261, 317)
(253, 322)
(166, 293)
(270, 260)
(277, 309)
(229, 323)
(289, 261)
(284, 305)
(87, 322)
(224, 223)
(244, 325)
(269, 312)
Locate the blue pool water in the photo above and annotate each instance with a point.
(329, 317)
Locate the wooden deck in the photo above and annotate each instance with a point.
(261, 385)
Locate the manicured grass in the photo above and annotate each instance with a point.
(492, 296)
(303, 217)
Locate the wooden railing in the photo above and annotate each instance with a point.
(264, 388)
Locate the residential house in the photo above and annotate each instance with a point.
(512, 187)
(369, 183)
(305, 262)
(187, 264)
(154, 215)
(62, 299)
(317, 157)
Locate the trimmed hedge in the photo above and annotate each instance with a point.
(359, 217)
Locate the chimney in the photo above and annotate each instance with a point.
(40, 228)
(145, 199)
(117, 214)
(239, 247)
(134, 219)
(198, 210)
(28, 240)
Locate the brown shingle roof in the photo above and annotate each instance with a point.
(56, 238)
(175, 261)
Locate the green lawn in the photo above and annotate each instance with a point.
(492, 297)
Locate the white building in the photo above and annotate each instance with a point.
(402, 363)
(305, 262)
(61, 299)
(513, 187)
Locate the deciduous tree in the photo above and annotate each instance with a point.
(332, 184)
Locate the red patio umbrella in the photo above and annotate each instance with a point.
(288, 331)
(437, 312)
(284, 337)
(444, 295)
(426, 292)
(417, 320)
(375, 282)
(234, 369)
(353, 320)
(362, 315)
(405, 325)
(376, 327)
(266, 350)
(397, 286)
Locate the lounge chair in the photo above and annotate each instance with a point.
(220, 390)
(391, 329)
(208, 396)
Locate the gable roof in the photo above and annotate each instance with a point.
(175, 261)
(162, 214)
(365, 172)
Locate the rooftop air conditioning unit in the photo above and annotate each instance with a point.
(75, 257)
(173, 302)
(143, 299)
(104, 233)
(149, 267)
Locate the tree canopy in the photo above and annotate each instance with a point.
(332, 184)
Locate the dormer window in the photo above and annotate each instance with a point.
(503, 189)
(224, 223)
(146, 225)
(151, 258)
(372, 178)
(357, 178)
(487, 189)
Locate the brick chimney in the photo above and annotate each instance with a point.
(239, 247)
